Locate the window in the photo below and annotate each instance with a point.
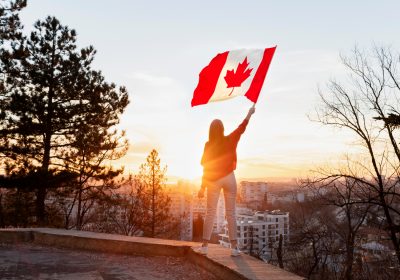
(263, 227)
(245, 234)
(245, 228)
(277, 232)
(276, 220)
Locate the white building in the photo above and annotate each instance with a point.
(253, 192)
(288, 196)
(219, 220)
(181, 207)
(199, 206)
(259, 233)
(242, 209)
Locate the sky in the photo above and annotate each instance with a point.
(157, 49)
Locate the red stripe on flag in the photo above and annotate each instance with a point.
(208, 79)
(255, 87)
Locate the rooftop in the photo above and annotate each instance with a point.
(43, 253)
(30, 261)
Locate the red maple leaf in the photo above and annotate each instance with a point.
(236, 79)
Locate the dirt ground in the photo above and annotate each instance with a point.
(27, 261)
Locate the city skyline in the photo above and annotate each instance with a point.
(159, 55)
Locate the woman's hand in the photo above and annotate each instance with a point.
(252, 110)
(200, 194)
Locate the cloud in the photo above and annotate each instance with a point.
(152, 79)
(141, 148)
(259, 168)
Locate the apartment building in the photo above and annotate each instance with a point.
(259, 233)
(253, 192)
(181, 207)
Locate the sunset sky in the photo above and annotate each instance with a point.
(157, 49)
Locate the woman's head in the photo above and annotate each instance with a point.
(216, 131)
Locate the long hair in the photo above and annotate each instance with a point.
(216, 133)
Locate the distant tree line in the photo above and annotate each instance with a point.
(58, 136)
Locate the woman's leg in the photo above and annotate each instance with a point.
(230, 190)
(213, 191)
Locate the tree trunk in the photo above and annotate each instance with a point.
(153, 206)
(316, 261)
(40, 206)
(1, 212)
(250, 231)
(66, 224)
(41, 192)
(383, 202)
(279, 252)
(78, 214)
(349, 257)
(392, 229)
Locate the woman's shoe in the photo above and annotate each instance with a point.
(203, 250)
(235, 252)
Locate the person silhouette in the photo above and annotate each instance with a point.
(219, 162)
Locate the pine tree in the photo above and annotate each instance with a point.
(10, 25)
(124, 212)
(159, 222)
(10, 36)
(54, 108)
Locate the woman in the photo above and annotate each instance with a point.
(219, 162)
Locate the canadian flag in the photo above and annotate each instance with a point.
(233, 73)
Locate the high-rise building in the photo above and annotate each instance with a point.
(259, 233)
(181, 208)
(253, 192)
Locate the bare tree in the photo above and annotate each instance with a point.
(127, 211)
(372, 91)
(349, 213)
(311, 243)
